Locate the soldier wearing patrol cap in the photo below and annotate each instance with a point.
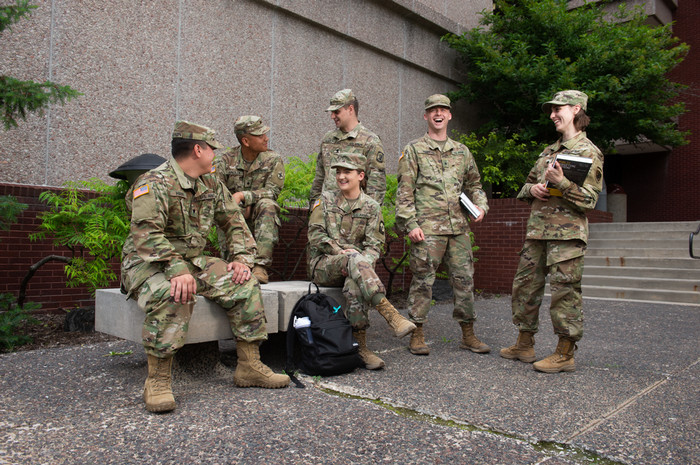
(173, 207)
(349, 136)
(255, 177)
(346, 235)
(556, 237)
(433, 172)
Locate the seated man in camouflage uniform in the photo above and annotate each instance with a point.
(255, 177)
(556, 236)
(346, 235)
(349, 136)
(163, 263)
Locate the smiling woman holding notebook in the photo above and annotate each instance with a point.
(564, 183)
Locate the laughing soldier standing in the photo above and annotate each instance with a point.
(556, 236)
(433, 171)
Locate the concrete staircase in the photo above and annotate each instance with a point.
(647, 262)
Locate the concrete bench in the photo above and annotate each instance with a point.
(116, 316)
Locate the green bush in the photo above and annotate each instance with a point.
(93, 227)
(12, 319)
(504, 162)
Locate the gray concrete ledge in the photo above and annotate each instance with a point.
(116, 316)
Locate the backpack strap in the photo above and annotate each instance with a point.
(290, 367)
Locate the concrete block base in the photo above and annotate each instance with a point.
(116, 316)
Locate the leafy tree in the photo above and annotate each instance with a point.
(17, 98)
(524, 51)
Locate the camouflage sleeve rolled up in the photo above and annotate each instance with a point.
(405, 192)
(376, 170)
(229, 218)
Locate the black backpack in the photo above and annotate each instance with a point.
(321, 342)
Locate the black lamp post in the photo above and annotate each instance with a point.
(135, 167)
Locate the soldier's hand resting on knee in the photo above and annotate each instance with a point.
(241, 272)
(183, 288)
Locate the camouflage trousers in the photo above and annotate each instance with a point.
(264, 223)
(563, 262)
(166, 323)
(426, 257)
(359, 286)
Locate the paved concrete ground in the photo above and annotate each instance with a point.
(632, 400)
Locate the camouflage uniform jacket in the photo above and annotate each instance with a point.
(170, 220)
(430, 183)
(359, 140)
(264, 179)
(335, 226)
(564, 218)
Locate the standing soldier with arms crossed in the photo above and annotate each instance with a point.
(433, 171)
(349, 136)
(164, 266)
(556, 236)
(255, 177)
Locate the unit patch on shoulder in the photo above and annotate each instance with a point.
(141, 191)
(402, 154)
(316, 204)
(213, 169)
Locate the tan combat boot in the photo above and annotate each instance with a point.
(157, 392)
(251, 372)
(370, 359)
(561, 360)
(260, 274)
(523, 350)
(470, 341)
(417, 345)
(398, 323)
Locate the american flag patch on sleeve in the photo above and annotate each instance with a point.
(141, 191)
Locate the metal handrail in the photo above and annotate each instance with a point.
(690, 242)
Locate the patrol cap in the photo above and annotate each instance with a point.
(566, 97)
(340, 99)
(437, 100)
(250, 124)
(192, 131)
(350, 160)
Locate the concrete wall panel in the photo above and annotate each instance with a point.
(143, 64)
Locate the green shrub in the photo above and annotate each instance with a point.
(504, 162)
(12, 319)
(93, 228)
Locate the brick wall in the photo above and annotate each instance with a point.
(666, 187)
(499, 237)
(680, 200)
